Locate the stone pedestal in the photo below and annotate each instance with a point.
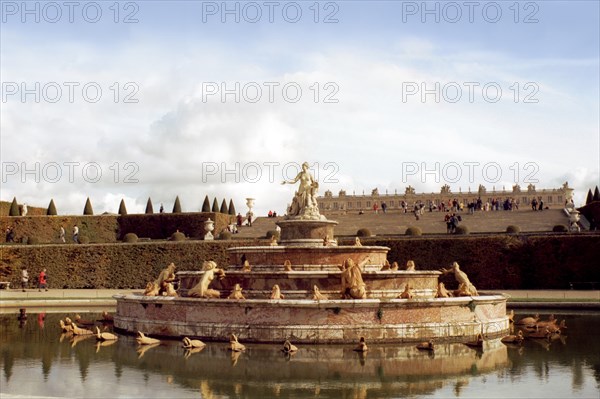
(305, 232)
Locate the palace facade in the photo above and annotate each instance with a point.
(342, 203)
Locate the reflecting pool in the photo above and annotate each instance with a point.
(38, 360)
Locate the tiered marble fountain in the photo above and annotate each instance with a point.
(307, 257)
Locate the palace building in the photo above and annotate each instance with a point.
(342, 203)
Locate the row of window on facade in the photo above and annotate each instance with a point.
(392, 204)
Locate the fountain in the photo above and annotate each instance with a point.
(325, 293)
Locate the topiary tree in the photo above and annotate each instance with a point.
(122, 209)
(14, 208)
(364, 232)
(596, 195)
(512, 229)
(51, 211)
(560, 228)
(590, 197)
(87, 209)
(206, 205)
(224, 207)
(177, 206)
(462, 230)
(130, 237)
(149, 207)
(232, 208)
(215, 207)
(413, 231)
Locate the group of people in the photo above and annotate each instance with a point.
(452, 221)
(42, 279)
(272, 214)
(10, 234)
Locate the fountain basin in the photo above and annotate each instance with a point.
(299, 284)
(316, 322)
(311, 258)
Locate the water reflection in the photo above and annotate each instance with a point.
(37, 355)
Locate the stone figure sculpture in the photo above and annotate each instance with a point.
(192, 343)
(202, 290)
(234, 344)
(151, 289)
(166, 275)
(362, 345)
(442, 292)
(273, 242)
(465, 288)
(304, 204)
(246, 267)
(352, 284)
(317, 296)
(236, 293)
(386, 266)
(287, 266)
(410, 266)
(168, 289)
(357, 242)
(394, 266)
(288, 347)
(276, 293)
(408, 293)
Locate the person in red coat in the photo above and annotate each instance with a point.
(43, 280)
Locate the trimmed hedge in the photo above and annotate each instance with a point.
(413, 231)
(364, 232)
(560, 228)
(491, 262)
(512, 229)
(462, 230)
(130, 237)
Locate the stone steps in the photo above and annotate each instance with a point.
(429, 222)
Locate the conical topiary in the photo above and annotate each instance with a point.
(596, 194)
(122, 209)
(87, 210)
(149, 207)
(51, 211)
(590, 197)
(14, 208)
(223, 207)
(177, 206)
(215, 207)
(206, 205)
(231, 208)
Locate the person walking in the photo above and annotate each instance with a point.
(75, 234)
(61, 234)
(24, 278)
(43, 280)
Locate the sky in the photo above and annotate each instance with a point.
(158, 99)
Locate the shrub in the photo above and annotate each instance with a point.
(177, 236)
(206, 205)
(512, 229)
(87, 209)
(225, 235)
(122, 209)
(149, 207)
(462, 230)
(14, 208)
(223, 208)
(33, 241)
(51, 211)
(130, 237)
(84, 239)
(272, 233)
(364, 232)
(413, 231)
(560, 228)
(177, 206)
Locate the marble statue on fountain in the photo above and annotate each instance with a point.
(304, 204)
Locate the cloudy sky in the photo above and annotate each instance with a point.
(189, 98)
